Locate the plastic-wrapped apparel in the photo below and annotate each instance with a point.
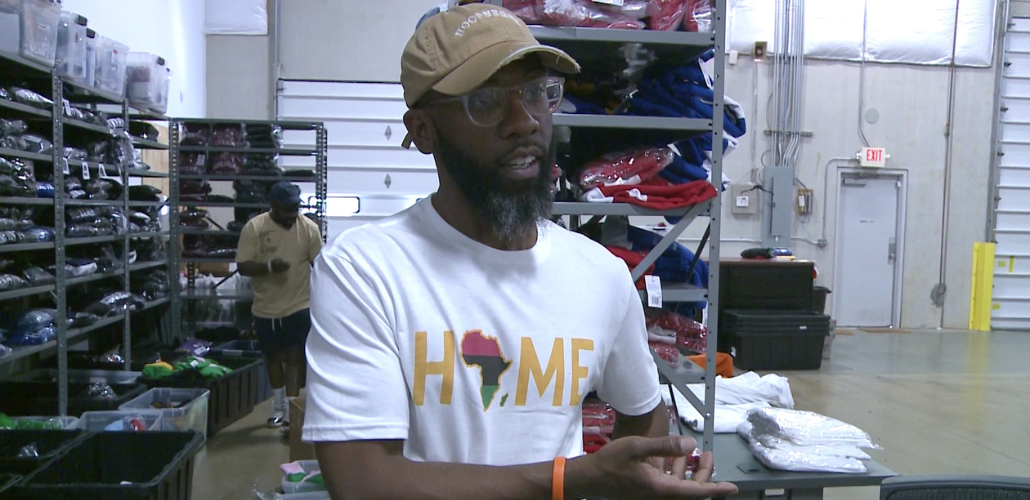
(33, 328)
(804, 441)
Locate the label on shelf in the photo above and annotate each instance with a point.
(85, 171)
(64, 166)
(103, 171)
(653, 285)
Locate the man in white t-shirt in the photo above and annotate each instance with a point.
(452, 344)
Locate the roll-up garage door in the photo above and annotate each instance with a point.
(369, 175)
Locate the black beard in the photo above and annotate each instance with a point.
(512, 208)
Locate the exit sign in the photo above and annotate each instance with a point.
(873, 157)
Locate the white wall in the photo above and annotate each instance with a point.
(172, 29)
(362, 41)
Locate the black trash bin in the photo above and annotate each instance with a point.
(819, 294)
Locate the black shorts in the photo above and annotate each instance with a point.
(277, 334)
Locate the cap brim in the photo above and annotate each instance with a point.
(480, 67)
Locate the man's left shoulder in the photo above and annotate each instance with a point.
(581, 248)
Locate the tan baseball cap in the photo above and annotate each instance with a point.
(455, 51)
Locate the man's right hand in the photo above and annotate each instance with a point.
(623, 469)
(280, 265)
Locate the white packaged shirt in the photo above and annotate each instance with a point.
(468, 353)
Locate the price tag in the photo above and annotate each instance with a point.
(103, 171)
(653, 285)
(85, 171)
(64, 166)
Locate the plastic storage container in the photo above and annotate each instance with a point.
(180, 409)
(110, 65)
(156, 465)
(101, 421)
(65, 423)
(39, 22)
(48, 445)
(148, 79)
(90, 78)
(40, 398)
(305, 487)
(776, 340)
(232, 396)
(81, 376)
(71, 46)
(10, 26)
(248, 349)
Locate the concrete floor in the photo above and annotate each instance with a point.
(943, 402)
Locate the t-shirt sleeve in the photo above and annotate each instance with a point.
(355, 386)
(247, 248)
(630, 379)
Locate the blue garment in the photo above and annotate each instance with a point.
(672, 265)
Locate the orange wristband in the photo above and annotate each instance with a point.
(558, 479)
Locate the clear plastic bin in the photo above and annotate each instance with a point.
(66, 422)
(189, 412)
(39, 22)
(305, 487)
(97, 421)
(110, 65)
(71, 46)
(148, 81)
(90, 78)
(10, 26)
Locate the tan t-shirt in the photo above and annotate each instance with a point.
(262, 240)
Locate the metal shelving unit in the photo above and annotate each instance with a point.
(597, 51)
(63, 131)
(183, 306)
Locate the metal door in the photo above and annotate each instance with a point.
(1011, 295)
(866, 281)
(369, 175)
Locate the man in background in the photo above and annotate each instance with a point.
(276, 250)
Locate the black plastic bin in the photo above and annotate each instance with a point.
(776, 340)
(48, 445)
(8, 482)
(819, 294)
(40, 398)
(247, 349)
(232, 396)
(158, 466)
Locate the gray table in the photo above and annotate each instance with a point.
(735, 463)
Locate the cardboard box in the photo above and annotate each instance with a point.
(299, 450)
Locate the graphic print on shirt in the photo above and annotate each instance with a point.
(265, 243)
(483, 353)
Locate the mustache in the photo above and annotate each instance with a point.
(525, 144)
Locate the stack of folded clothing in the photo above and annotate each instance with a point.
(803, 441)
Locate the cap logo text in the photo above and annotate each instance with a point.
(473, 19)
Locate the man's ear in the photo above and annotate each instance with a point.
(421, 130)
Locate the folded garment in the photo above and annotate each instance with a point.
(807, 428)
(725, 419)
(801, 461)
(655, 196)
(627, 167)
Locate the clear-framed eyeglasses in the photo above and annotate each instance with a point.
(489, 106)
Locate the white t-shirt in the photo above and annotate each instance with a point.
(468, 353)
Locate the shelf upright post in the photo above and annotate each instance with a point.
(719, 109)
(321, 174)
(126, 275)
(174, 230)
(60, 165)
